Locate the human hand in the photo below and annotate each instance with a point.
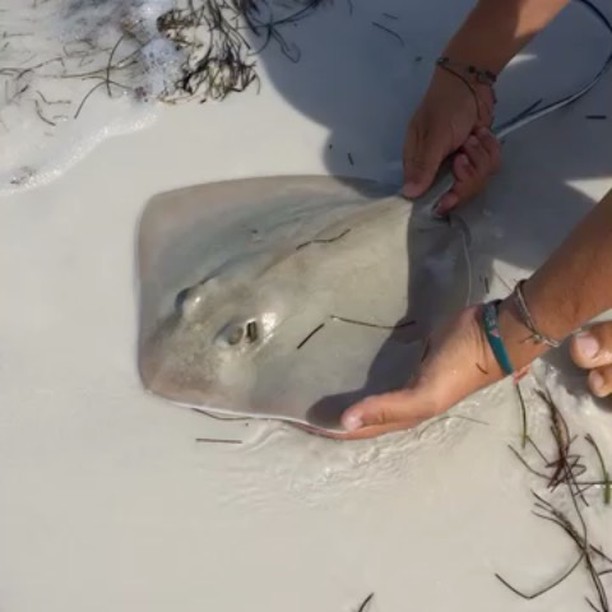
(451, 119)
(457, 362)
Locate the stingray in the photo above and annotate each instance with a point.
(292, 297)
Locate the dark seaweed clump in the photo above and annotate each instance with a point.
(214, 38)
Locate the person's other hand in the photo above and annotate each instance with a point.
(591, 350)
(451, 119)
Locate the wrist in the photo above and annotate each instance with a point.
(472, 55)
(509, 347)
(521, 348)
(472, 73)
(477, 96)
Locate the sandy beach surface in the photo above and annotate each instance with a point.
(107, 501)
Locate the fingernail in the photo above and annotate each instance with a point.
(597, 383)
(472, 140)
(587, 345)
(352, 422)
(410, 189)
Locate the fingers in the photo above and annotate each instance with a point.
(463, 169)
(359, 434)
(367, 432)
(423, 153)
(480, 157)
(592, 350)
(388, 412)
(593, 347)
(600, 381)
(492, 147)
(447, 202)
(477, 155)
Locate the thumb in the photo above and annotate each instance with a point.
(424, 151)
(407, 407)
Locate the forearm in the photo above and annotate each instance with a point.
(496, 30)
(570, 289)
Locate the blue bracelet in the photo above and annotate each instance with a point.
(491, 328)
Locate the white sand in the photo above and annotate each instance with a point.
(108, 503)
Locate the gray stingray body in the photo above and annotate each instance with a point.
(291, 297)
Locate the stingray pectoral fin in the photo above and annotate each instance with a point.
(365, 259)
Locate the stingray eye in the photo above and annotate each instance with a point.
(252, 331)
(188, 302)
(181, 296)
(235, 334)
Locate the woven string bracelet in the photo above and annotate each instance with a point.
(484, 77)
(527, 319)
(464, 73)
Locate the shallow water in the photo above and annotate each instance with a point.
(76, 72)
(55, 106)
